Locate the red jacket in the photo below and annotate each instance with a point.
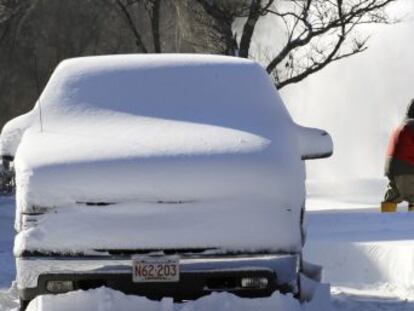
(400, 152)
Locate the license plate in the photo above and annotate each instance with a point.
(155, 269)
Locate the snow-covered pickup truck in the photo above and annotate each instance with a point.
(162, 176)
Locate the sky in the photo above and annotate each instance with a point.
(360, 100)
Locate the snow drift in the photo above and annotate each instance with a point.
(105, 299)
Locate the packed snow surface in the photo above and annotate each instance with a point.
(358, 246)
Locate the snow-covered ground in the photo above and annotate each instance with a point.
(7, 267)
(367, 256)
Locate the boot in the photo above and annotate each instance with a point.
(389, 207)
(411, 207)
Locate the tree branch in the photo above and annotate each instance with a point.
(255, 12)
(155, 25)
(138, 39)
(320, 22)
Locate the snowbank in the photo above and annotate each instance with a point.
(8, 299)
(104, 299)
(364, 248)
(357, 245)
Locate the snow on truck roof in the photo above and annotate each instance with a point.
(206, 118)
(224, 91)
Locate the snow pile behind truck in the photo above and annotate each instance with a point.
(199, 146)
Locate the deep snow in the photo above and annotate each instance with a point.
(367, 256)
(103, 299)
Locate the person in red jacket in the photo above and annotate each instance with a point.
(399, 167)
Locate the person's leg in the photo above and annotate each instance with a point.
(405, 184)
(392, 196)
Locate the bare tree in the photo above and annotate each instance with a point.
(321, 32)
(154, 9)
(130, 9)
(7, 10)
(302, 37)
(11, 12)
(311, 33)
(41, 33)
(227, 11)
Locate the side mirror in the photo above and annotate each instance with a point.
(13, 131)
(314, 143)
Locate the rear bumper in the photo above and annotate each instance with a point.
(198, 276)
